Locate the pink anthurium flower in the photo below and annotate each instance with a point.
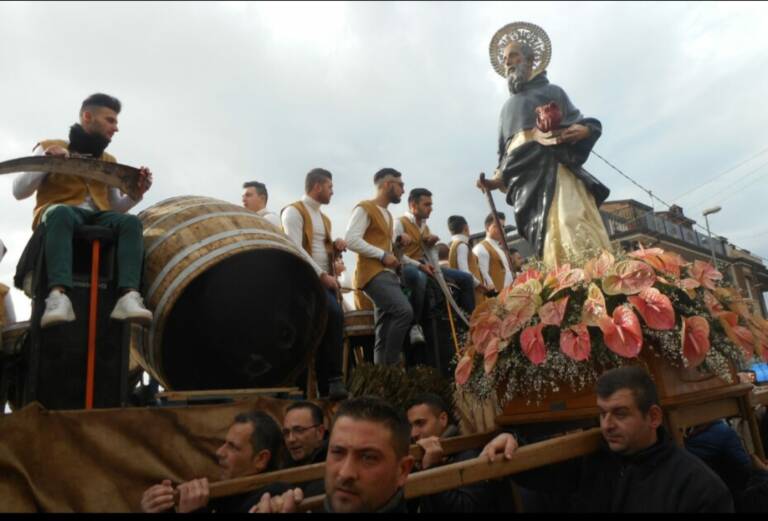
(622, 333)
(599, 267)
(594, 306)
(655, 308)
(553, 312)
(575, 342)
(464, 369)
(706, 274)
(532, 344)
(695, 333)
(629, 278)
(491, 355)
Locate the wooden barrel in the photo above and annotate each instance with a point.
(235, 303)
(359, 323)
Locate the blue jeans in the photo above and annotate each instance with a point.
(466, 284)
(329, 352)
(416, 280)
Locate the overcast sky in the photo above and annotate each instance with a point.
(215, 94)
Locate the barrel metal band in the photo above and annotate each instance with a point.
(207, 202)
(171, 231)
(171, 264)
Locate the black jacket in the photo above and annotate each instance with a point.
(661, 478)
(316, 487)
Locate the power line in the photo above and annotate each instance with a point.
(721, 195)
(731, 169)
(652, 196)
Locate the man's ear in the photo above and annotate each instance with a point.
(261, 460)
(321, 429)
(85, 117)
(404, 468)
(657, 416)
(443, 419)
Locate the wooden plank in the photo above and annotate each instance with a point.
(226, 393)
(759, 396)
(317, 471)
(464, 473)
(697, 414)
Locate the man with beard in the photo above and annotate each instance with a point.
(252, 446)
(310, 229)
(417, 239)
(64, 202)
(369, 234)
(367, 465)
(255, 198)
(638, 469)
(555, 200)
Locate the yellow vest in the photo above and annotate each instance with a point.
(474, 267)
(68, 189)
(495, 266)
(413, 250)
(307, 234)
(379, 234)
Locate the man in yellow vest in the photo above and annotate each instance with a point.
(491, 258)
(310, 230)
(416, 237)
(369, 234)
(460, 256)
(64, 202)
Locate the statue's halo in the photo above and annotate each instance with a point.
(522, 32)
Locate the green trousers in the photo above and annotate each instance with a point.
(60, 221)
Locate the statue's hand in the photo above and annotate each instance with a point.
(490, 184)
(574, 134)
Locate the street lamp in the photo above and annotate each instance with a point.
(710, 211)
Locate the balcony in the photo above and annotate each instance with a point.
(622, 223)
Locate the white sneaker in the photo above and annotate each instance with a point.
(58, 309)
(417, 335)
(131, 307)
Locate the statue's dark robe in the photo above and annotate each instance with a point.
(530, 170)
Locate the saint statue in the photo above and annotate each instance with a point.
(543, 142)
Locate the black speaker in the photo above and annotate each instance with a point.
(56, 358)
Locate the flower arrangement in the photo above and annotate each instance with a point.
(569, 324)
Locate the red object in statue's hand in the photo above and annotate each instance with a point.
(548, 117)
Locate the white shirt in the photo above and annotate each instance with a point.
(271, 217)
(400, 229)
(358, 224)
(462, 255)
(27, 183)
(484, 261)
(293, 226)
(10, 314)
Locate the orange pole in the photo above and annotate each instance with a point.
(92, 310)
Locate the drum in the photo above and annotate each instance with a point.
(236, 304)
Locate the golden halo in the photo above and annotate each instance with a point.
(525, 33)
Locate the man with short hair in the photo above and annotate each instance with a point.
(461, 257)
(304, 434)
(638, 469)
(252, 445)
(431, 421)
(491, 259)
(517, 261)
(369, 234)
(255, 198)
(64, 202)
(310, 229)
(367, 465)
(416, 239)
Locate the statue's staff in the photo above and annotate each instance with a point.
(482, 184)
(124, 177)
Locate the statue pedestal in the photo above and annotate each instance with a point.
(673, 384)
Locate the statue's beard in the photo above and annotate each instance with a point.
(517, 77)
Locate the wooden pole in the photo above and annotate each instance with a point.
(496, 220)
(448, 477)
(93, 306)
(305, 473)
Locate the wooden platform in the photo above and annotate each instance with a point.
(227, 395)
